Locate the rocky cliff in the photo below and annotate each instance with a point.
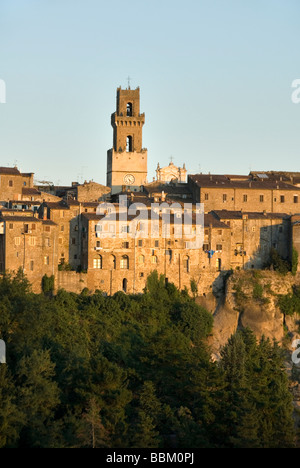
(250, 299)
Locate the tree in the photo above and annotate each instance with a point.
(258, 407)
(92, 432)
(11, 417)
(38, 396)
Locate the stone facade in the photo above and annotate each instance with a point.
(28, 243)
(12, 182)
(171, 173)
(244, 194)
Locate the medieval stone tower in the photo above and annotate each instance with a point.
(127, 160)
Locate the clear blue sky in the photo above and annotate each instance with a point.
(215, 79)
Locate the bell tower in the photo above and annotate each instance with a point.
(127, 160)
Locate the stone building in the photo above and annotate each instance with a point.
(171, 173)
(118, 256)
(127, 160)
(241, 193)
(12, 182)
(27, 242)
(253, 235)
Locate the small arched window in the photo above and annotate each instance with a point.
(98, 262)
(129, 144)
(124, 263)
(186, 264)
(124, 285)
(129, 109)
(141, 259)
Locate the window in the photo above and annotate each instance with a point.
(47, 228)
(261, 198)
(62, 228)
(124, 228)
(169, 254)
(31, 265)
(224, 197)
(26, 228)
(295, 198)
(97, 263)
(219, 247)
(125, 245)
(47, 242)
(205, 247)
(206, 232)
(220, 232)
(32, 241)
(280, 229)
(154, 259)
(73, 241)
(206, 196)
(11, 226)
(140, 243)
(186, 264)
(60, 241)
(245, 198)
(281, 198)
(156, 244)
(98, 244)
(129, 145)
(33, 227)
(17, 240)
(124, 263)
(253, 228)
(141, 259)
(129, 109)
(46, 260)
(10, 183)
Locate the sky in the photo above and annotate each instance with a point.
(215, 80)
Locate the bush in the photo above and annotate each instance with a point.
(48, 284)
(278, 263)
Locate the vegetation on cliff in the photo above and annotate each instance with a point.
(133, 371)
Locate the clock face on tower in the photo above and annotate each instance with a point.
(129, 179)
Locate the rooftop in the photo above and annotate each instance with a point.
(223, 181)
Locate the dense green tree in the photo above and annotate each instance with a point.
(85, 370)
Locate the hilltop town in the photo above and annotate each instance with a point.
(56, 231)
